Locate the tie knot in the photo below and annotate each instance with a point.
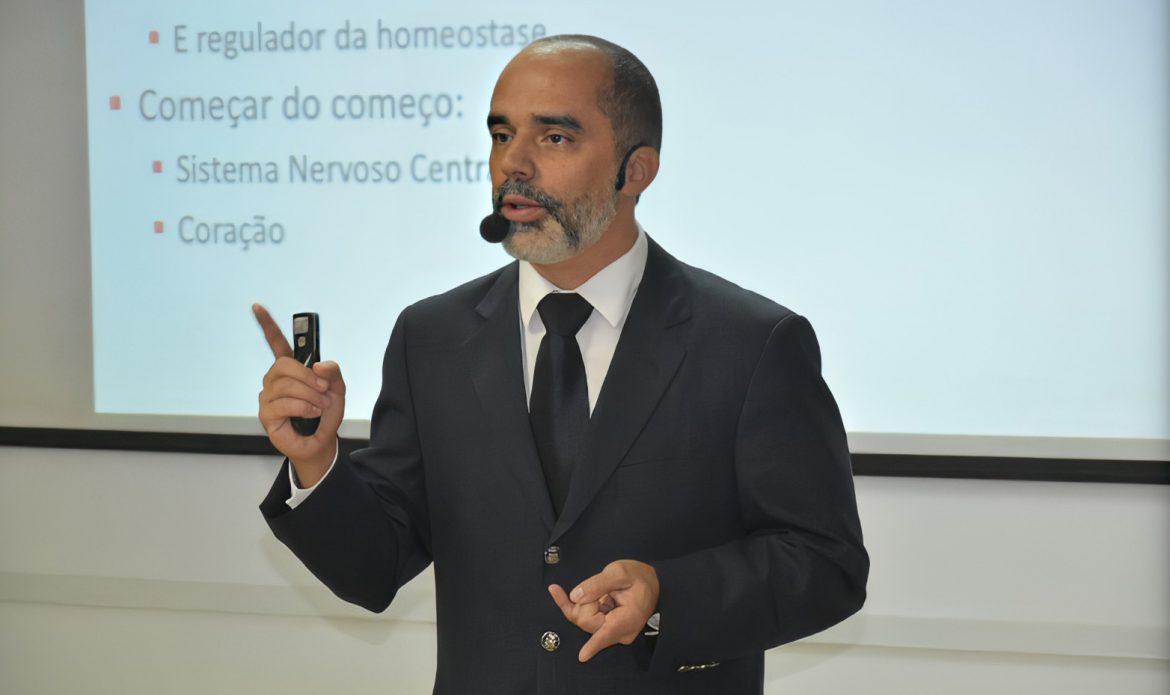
(564, 313)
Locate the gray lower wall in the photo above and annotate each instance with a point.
(154, 573)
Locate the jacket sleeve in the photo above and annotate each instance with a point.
(801, 565)
(365, 530)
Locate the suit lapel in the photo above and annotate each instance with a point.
(498, 376)
(648, 355)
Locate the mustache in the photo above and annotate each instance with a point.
(527, 190)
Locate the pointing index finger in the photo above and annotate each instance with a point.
(562, 600)
(606, 636)
(272, 333)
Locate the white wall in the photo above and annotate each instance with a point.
(154, 573)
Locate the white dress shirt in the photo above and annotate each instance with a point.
(611, 292)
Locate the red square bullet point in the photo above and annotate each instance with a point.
(154, 37)
(115, 103)
(158, 227)
(156, 167)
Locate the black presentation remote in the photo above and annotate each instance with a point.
(307, 351)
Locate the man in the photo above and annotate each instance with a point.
(652, 528)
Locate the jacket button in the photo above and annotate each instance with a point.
(552, 555)
(550, 641)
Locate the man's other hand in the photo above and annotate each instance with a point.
(613, 606)
(293, 390)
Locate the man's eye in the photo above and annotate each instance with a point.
(557, 139)
(501, 137)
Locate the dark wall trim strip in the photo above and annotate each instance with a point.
(1013, 468)
(891, 465)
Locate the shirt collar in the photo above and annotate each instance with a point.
(610, 291)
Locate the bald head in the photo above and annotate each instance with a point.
(628, 98)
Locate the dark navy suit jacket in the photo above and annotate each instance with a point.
(716, 454)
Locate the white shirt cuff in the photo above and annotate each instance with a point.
(652, 625)
(300, 494)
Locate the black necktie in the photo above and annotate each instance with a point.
(559, 407)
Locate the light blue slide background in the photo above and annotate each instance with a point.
(968, 199)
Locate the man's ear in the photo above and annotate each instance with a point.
(641, 168)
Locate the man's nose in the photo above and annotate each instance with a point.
(517, 161)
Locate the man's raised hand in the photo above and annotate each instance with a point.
(613, 605)
(293, 390)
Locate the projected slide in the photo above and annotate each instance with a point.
(322, 160)
(964, 199)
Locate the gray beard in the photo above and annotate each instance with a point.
(581, 225)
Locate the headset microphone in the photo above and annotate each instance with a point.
(494, 228)
(621, 177)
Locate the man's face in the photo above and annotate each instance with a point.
(552, 161)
